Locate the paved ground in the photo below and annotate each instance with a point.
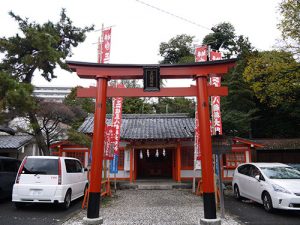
(252, 213)
(141, 207)
(36, 214)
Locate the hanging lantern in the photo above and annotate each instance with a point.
(157, 153)
(164, 152)
(148, 154)
(141, 154)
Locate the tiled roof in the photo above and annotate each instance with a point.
(149, 126)
(276, 144)
(13, 142)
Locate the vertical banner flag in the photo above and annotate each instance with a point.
(114, 164)
(117, 119)
(200, 56)
(215, 100)
(109, 142)
(104, 46)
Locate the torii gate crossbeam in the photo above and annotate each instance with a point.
(198, 71)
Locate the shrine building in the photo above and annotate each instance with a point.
(161, 146)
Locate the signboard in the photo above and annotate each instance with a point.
(151, 79)
(201, 54)
(109, 142)
(114, 164)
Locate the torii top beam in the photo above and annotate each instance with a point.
(135, 71)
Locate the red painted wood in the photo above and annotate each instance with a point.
(205, 137)
(164, 92)
(178, 149)
(127, 71)
(98, 137)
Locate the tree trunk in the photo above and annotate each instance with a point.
(38, 134)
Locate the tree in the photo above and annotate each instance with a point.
(274, 77)
(290, 25)
(176, 105)
(39, 50)
(178, 50)
(15, 98)
(53, 119)
(223, 36)
(236, 117)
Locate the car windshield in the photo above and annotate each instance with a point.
(41, 166)
(281, 172)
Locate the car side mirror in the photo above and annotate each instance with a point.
(257, 177)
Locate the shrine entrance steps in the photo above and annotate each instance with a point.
(154, 184)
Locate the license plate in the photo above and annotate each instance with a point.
(35, 192)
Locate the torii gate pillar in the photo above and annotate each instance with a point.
(206, 149)
(97, 152)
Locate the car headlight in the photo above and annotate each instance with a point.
(278, 188)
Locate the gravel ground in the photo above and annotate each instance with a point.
(155, 207)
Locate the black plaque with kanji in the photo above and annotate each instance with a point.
(151, 79)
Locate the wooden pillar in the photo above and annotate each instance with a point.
(173, 166)
(135, 159)
(59, 151)
(97, 151)
(178, 157)
(206, 149)
(131, 165)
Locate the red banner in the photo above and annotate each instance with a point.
(201, 54)
(109, 142)
(117, 119)
(215, 100)
(215, 56)
(104, 46)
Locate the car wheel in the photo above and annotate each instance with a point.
(67, 201)
(236, 192)
(19, 205)
(267, 202)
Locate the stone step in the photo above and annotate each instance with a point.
(154, 186)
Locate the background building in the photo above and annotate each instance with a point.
(52, 94)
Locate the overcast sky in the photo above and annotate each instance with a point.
(139, 29)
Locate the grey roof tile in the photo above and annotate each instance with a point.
(14, 142)
(149, 126)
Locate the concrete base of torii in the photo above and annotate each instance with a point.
(210, 221)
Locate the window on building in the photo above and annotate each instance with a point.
(187, 158)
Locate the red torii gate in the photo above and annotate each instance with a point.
(198, 71)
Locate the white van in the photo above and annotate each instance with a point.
(49, 179)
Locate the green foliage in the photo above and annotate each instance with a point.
(15, 97)
(279, 122)
(176, 105)
(40, 47)
(78, 138)
(290, 24)
(274, 77)
(136, 106)
(223, 36)
(87, 104)
(176, 49)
